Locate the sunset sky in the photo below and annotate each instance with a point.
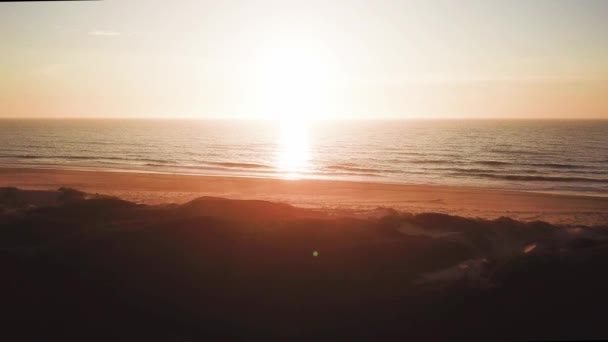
(313, 59)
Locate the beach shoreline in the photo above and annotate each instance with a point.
(158, 188)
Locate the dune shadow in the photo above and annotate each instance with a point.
(78, 266)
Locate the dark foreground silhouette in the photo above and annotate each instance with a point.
(81, 267)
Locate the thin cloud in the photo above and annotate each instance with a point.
(104, 33)
(54, 69)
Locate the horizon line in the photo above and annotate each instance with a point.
(306, 119)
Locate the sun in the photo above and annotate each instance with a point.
(292, 81)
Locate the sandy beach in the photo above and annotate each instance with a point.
(349, 196)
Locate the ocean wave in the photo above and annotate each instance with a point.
(268, 170)
(210, 167)
(241, 165)
(30, 156)
(407, 153)
(432, 161)
(356, 169)
(93, 158)
(543, 165)
(466, 171)
(517, 152)
(492, 163)
(23, 156)
(363, 174)
(555, 165)
(536, 178)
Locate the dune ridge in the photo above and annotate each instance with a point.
(153, 189)
(80, 265)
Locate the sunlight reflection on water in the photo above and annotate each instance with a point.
(294, 148)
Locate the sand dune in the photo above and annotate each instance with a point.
(94, 267)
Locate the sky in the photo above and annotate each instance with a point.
(306, 59)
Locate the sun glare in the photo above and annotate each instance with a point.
(294, 148)
(292, 82)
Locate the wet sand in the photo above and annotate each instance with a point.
(342, 195)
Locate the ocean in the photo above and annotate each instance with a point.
(559, 156)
